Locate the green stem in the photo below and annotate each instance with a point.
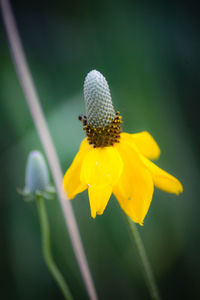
(150, 280)
(46, 247)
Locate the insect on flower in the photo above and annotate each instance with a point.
(110, 161)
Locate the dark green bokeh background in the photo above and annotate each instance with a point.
(149, 54)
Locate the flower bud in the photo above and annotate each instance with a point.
(37, 177)
(98, 101)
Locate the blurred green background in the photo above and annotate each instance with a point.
(149, 53)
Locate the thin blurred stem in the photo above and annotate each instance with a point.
(150, 280)
(33, 102)
(46, 247)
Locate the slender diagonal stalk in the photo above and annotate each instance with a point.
(33, 102)
(150, 280)
(46, 247)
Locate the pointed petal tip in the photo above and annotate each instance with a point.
(162, 179)
(68, 196)
(99, 198)
(140, 222)
(100, 212)
(180, 189)
(136, 221)
(66, 193)
(177, 187)
(93, 214)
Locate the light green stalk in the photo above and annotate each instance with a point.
(150, 280)
(46, 247)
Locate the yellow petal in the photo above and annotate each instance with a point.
(101, 167)
(163, 180)
(98, 199)
(134, 190)
(145, 143)
(71, 181)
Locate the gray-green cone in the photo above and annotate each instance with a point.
(99, 107)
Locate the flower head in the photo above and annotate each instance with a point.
(110, 161)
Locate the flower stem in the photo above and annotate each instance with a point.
(46, 247)
(25, 78)
(149, 276)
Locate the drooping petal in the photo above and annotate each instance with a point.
(98, 199)
(134, 190)
(145, 144)
(101, 167)
(71, 181)
(163, 180)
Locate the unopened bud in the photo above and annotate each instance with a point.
(37, 176)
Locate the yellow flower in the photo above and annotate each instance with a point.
(120, 163)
